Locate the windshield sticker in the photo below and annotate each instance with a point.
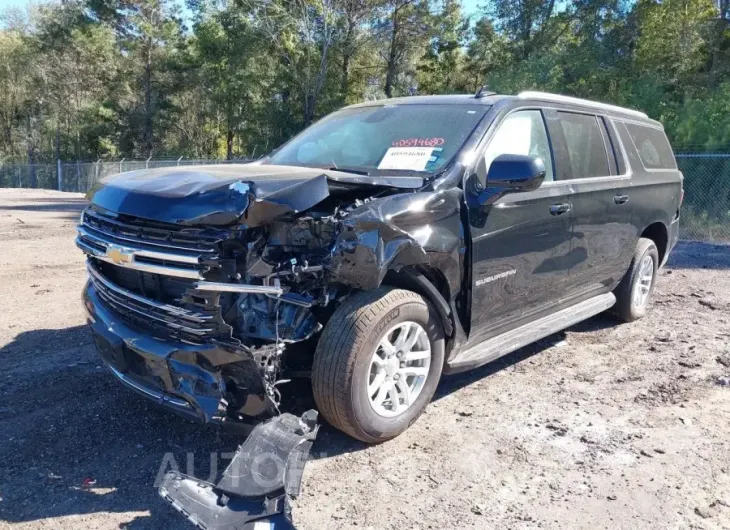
(418, 142)
(410, 158)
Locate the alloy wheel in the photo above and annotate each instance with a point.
(398, 369)
(645, 277)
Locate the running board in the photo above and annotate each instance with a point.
(512, 340)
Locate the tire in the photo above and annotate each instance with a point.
(630, 305)
(344, 362)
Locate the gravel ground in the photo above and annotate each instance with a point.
(605, 425)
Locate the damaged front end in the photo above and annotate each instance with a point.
(207, 291)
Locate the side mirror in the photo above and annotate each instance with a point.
(516, 173)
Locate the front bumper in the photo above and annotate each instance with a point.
(204, 382)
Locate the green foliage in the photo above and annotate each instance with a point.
(88, 79)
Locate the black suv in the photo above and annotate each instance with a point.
(388, 243)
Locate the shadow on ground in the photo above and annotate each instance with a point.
(698, 255)
(74, 441)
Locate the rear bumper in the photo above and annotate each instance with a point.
(673, 237)
(193, 380)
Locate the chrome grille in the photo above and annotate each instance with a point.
(161, 277)
(168, 251)
(170, 320)
(164, 237)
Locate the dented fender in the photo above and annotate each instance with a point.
(422, 228)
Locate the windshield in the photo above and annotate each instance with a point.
(376, 139)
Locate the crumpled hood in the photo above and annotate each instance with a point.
(251, 194)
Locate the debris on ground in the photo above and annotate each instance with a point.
(704, 512)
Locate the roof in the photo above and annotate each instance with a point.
(470, 99)
(451, 99)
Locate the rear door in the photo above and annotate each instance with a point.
(604, 237)
(521, 242)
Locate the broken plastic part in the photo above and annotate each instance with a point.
(265, 473)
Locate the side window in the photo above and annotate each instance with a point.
(653, 147)
(586, 149)
(522, 133)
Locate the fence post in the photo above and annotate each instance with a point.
(78, 175)
(96, 171)
(58, 170)
(120, 165)
(147, 164)
(178, 160)
(20, 178)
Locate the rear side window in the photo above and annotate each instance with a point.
(586, 148)
(652, 146)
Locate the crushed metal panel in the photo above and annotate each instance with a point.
(392, 232)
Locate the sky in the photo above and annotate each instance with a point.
(470, 6)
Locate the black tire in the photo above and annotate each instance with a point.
(344, 353)
(626, 307)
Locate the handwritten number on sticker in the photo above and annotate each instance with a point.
(418, 142)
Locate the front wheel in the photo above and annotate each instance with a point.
(378, 363)
(634, 291)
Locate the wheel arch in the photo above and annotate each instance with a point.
(659, 234)
(429, 283)
(432, 284)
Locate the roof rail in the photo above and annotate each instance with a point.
(578, 101)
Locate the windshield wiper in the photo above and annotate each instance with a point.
(349, 170)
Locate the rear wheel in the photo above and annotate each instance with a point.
(634, 291)
(378, 363)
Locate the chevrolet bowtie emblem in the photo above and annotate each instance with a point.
(119, 255)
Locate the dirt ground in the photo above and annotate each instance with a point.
(605, 425)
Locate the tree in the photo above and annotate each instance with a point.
(355, 16)
(440, 68)
(149, 35)
(301, 33)
(403, 29)
(15, 90)
(226, 55)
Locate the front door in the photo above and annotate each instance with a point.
(521, 242)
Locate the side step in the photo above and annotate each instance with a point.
(512, 340)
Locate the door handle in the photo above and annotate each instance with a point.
(620, 199)
(559, 209)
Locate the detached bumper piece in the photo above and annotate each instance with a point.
(256, 487)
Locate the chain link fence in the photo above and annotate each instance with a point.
(81, 176)
(706, 206)
(705, 212)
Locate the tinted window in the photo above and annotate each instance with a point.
(586, 148)
(391, 137)
(522, 133)
(653, 147)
